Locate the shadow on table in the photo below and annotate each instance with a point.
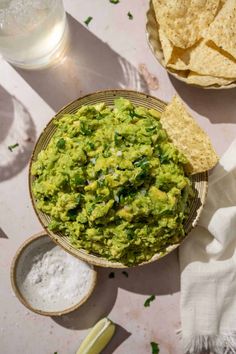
(16, 127)
(97, 306)
(217, 105)
(7, 113)
(89, 65)
(120, 336)
(3, 234)
(159, 278)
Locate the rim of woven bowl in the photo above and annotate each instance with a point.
(199, 180)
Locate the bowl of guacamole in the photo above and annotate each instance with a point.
(107, 183)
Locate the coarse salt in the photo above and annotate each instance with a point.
(53, 280)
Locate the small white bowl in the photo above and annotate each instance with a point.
(29, 295)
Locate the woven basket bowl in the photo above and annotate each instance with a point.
(152, 27)
(108, 96)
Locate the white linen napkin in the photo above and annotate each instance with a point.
(208, 268)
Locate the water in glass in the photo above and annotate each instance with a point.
(32, 32)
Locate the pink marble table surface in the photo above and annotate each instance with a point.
(112, 52)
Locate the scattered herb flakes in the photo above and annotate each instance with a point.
(149, 300)
(12, 147)
(55, 352)
(130, 15)
(89, 19)
(155, 348)
(112, 275)
(115, 1)
(125, 274)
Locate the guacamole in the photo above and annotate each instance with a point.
(112, 182)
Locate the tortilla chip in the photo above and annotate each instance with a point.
(180, 59)
(205, 80)
(184, 21)
(178, 65)
(222, 2)
(182, 73)
(167, 46)
(204, 59)
(171, 54)
(222, 31)
(188, 137)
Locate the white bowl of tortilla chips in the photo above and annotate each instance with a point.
(195, 40)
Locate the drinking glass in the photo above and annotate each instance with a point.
(32, 32)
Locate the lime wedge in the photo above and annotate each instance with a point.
(99, 336)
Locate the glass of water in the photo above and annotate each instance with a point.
(33, 33)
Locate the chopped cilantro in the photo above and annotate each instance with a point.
(61, 143)
(79, 180)
(150, 129)
(84, 130)
(130, 15)
(134, 114)
(142, 162)
(11, 147)
(117, 138)
(101, 182)
(149, 300)
(88, 20)
(78, 199)
(155, 348)
(112, 275)
(130, 234)
(125, 273)
(115, 1)
(91, 145)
